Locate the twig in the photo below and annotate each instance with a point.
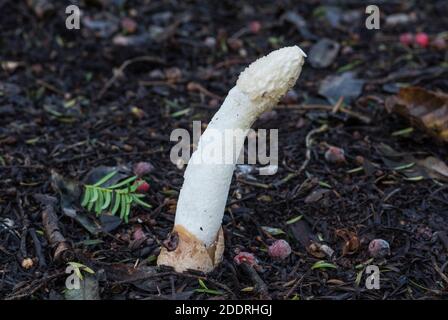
(119, 72)
(411, 74)
(194, 86)
(23, 253)
(255, 184)
(338, 105)
(50, 87)
(296, 284)
(32, 287)
(260, 285)
(324, 107)
(439, 271)
(37, 248)
(62, 249)
(5, 251)
(156, 83)
(308, 142)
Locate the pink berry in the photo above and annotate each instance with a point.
(255, 26)
(335, 155)
(379, 248)
(406, 39)
(422, 39)
(143, 187)
(245, 257)
(280, 250)
(142, 168)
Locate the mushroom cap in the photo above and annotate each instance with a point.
(271, 76)
(191, 253)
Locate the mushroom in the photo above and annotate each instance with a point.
(196, 241)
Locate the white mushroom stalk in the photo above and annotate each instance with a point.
(196, 241)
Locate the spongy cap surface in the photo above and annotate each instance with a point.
(271, 76)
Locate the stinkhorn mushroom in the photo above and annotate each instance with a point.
(196, 241)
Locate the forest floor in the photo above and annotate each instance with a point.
(73, 102)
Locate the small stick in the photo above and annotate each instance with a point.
(32, 287)
(50, 87)
(296, 284)
(338, 105)
(37, 247)
(439, 271)
(119, 72)
(324, 107)
(308, 142)
(194, 86)
(260, 285)
(63, 249)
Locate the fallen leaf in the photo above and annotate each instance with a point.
(336, 282)
(345, 85)
(323, 53)
(273, 231)
(265, 198)
(300, 23)
(323, 265)
(316, 195)
(425, 109)
(435, 168)
(412, 168)
(295, 219)
(351, 241)
(315, 251)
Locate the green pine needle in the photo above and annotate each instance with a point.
(113, 199)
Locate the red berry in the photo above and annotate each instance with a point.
(406, 39)
(280, 249)
(422, 39)
(255, 26)
(245, 257)
(143, 186)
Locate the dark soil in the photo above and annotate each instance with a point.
(58, 112)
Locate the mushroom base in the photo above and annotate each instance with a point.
(191, 253)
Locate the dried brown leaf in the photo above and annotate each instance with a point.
(425, 109)
(435, 168)
(351, 241)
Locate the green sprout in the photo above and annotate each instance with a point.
(116, 198)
